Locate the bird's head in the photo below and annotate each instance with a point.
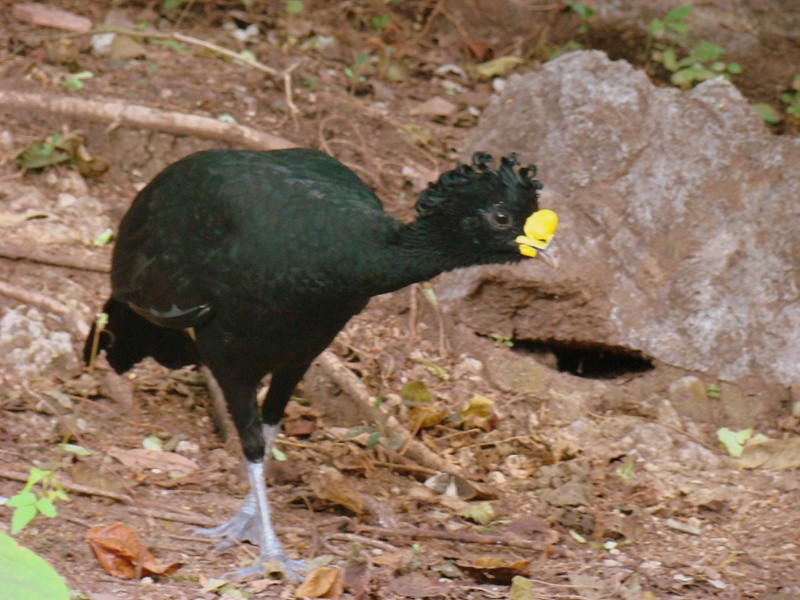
(495, 213)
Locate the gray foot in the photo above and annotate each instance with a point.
(244, 526)
(292, 569)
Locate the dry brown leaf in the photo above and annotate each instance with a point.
(333, 487)
(426, 417)
(394, 560)
(497, 569)
(771, 454)
(121, 553)
(141, 458)
(478, 49)
(435, 107)
(416, 585)
(325, 582)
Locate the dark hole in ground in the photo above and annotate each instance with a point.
(586, 359)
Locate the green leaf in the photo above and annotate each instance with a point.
(679, 13)
(712, 391)
(656, 27)
(21, 517)
(678, 27)
(39, 155)
(685, 77)
(734, 440)
(734, 68)
(278, 454)
(669, 59)
(373, 439)
(581, 9)
(22, 499)
(294, 7)
(415, 393)
(482, 513)
(46, 507)
(705, 51)
(169, 5)
(25, 574)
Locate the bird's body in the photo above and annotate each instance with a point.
(252, 262)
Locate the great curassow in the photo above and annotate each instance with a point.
(251, 262)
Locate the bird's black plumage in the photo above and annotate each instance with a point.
(265, 256)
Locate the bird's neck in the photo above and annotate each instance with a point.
(409, 253)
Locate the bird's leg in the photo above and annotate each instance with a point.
(244, 525)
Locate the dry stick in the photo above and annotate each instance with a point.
(123, 113)
(455, 536)
(45, 258)
(71, 487)
(71, 319)
(359, 393)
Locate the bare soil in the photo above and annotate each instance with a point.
(619, 504)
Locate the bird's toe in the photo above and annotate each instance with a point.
(293, 570)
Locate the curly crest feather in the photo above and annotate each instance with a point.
(450, 183)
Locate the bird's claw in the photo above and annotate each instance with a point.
(291, 569)
(242, 527)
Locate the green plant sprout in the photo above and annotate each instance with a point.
(792, 99)
(702, 62)
(29, 502)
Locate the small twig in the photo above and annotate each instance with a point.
(455, 536)
(358, 392)
(71, 487)
(360, 539)
(134, 115)
(287, 90)
(71, 319)
(45, 258)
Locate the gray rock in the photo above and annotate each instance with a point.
(679, 230)
(29, 346)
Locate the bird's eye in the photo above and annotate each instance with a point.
(501, 218)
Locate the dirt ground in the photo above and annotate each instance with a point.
(616, 504)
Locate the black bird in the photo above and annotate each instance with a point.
(251, 262)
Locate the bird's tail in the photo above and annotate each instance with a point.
(127, 338)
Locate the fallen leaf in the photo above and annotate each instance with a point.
(521, 588)
(394, 560)
(333, 487)
(451, 485)
(478, 49)
(415, 392)
(325, 582)
(416, 585)
(771, 454)
(425, 417)
(496, 568)
(141, 458)
(121, 553)
(478, 406)
(482, 513)
(38, 14)
(435, 107)
(498, 66)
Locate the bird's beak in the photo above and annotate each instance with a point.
(540, 228)
(549, 255)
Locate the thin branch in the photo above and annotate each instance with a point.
(76, 488)
(455, 536)
(119, 112)
(33, 255)
(358, 392)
